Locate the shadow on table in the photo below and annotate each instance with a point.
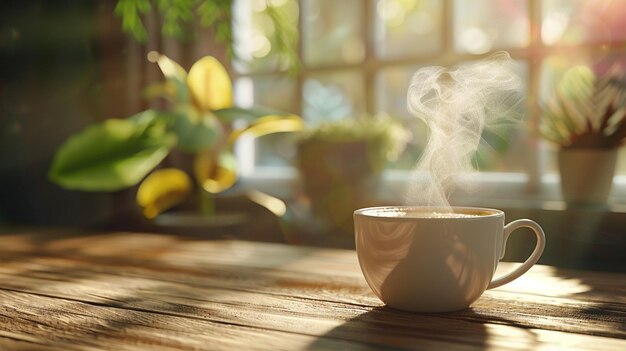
(384, 327)
(103, 286)
(568, 301)
(604, 296)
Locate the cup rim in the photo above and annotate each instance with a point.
(492, 212)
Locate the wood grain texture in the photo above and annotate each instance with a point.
(130, 291)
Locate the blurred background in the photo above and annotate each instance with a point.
(65, 65)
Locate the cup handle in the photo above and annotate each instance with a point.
(534, 257)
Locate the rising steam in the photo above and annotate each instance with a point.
(457, 104)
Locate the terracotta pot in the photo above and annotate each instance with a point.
(587, 174)
(337, 177)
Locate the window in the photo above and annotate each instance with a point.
(358, 57)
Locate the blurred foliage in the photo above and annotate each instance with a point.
(176, 16)
(113, 154)
(285, 37)
(179, 15)
(587, 110)
(386, 137)
(119, 153)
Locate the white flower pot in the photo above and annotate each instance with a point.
(587, 174)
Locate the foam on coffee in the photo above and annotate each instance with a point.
(408, 212)
(442, 215)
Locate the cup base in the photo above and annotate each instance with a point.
(428, 309)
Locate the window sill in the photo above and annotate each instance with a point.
(500, 190)
(578, 237)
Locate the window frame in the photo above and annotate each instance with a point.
(536, 187)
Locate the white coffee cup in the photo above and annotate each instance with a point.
(426, 259)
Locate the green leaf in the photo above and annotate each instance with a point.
(195, 131)
(174, 13)
(112, 155)
(228, 115)
(130, 11)
(164, 90)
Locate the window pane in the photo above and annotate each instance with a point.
(391, 90)
(256, 46)
(552, 70)
(333, 32)
(408, 27)
(580, 21)
(275, 149)
(333, 96)
(275, 92)
(484, 25)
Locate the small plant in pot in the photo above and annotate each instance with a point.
(341, 162)
(586, 119)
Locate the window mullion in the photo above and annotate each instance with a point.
(300, 76)
(447, 27)
(536, 158)
(370, 55)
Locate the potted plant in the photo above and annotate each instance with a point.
(199, 121)
(340, 164)
(586, 118)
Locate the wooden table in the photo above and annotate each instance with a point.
(128, 291)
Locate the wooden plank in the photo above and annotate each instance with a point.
(89, 326)
(74, 325)
(561, 314)
(229, 294)
(162, 251)
(92, 325)
(512, 310)
(279, 260)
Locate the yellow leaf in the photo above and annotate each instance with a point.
(209, 84)
(215, 174)
(268, 125)
(162, 190)
(170, 68)
(176, 85)
(273, 204)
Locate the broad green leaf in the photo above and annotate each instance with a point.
(228, 115)
(112, 155)
(215, 173)
(209, 85)
(195, 131)
(149, 119)
(268, 125)
(162, 190)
